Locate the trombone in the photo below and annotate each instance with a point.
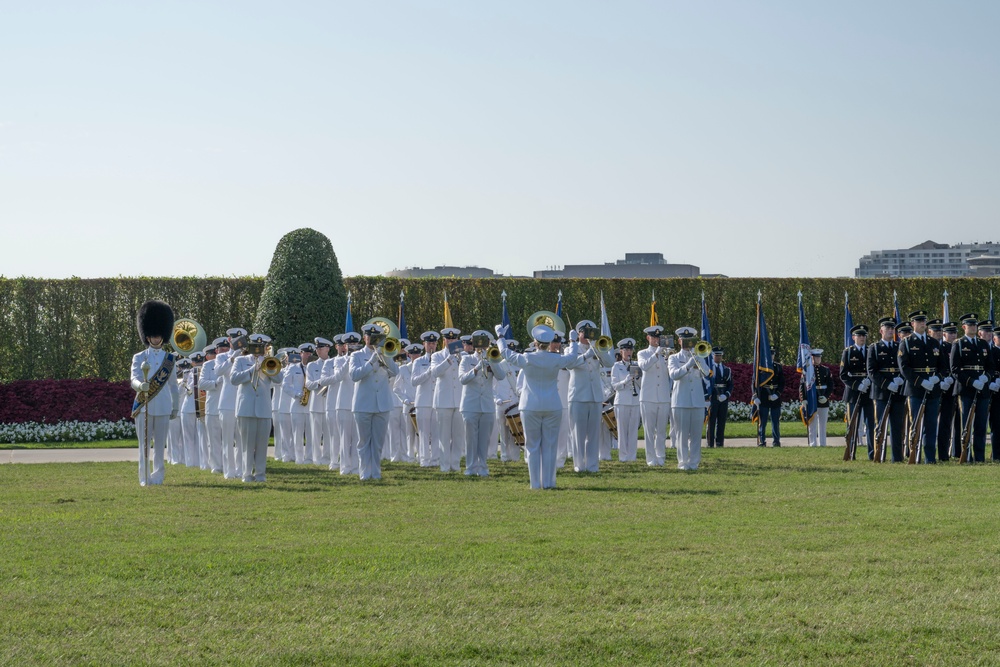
(701, 350)
(267, 365)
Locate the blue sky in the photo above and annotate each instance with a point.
(752, 139)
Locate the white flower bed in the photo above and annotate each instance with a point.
(740, 412)
(67, 431)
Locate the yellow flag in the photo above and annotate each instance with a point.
(652, 311)
(447, 314)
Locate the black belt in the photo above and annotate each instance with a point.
(971, 368)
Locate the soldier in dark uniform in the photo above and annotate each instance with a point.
(857, 385)
(887, 385)
(770, 404)
(922, 366)
(949, 430)
(718, 410)
(972, 367)
(986, 334)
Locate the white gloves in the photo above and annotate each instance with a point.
(173, 414)
(864, 385)
(899, 382)
(756, 401)
(995, 385)
(978, 384)
(574, 336)
(773, 397)
(934, 379)
(501, 330)
(983, 378)
(893, 387)
(144, 386)
(722, 398)
(927, 384)
(690, 364)
(946, 383)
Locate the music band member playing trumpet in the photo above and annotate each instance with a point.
(476, 372)
(654, 395)
(253, 406)
(626, 379)
(586, 396)
(687, 400)
(371, 372)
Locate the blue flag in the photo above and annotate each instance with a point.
(848, 322)
(402, 318)
(706, 335)
(806, 369)
(349, 322)
(505, 319)
(763, 362)
(895, 315)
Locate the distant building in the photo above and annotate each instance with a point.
(442, 272)
(635, 265)
(932, 260)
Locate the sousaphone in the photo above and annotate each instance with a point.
(549, 319)
(188, 337)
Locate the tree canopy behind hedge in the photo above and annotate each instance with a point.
(86, 328)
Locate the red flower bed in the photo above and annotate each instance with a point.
(53, 401)
(743, 377)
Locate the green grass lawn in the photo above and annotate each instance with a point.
(761, 557)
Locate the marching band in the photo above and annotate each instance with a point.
(919, 391)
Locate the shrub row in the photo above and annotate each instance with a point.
(86, 328)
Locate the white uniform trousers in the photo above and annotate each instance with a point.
(231, 461)
(565, 449)
(203, 454)
(372, 430)
(175, 442)
(396, 439)
(348, 443)
(655, 417)
(449, 427)
(319, 443)
(158, 427)
(284, 451)
(491, 451)
(541, 432)
(687, 423)
(627, 417)
(213, 432)
(276, 421)
(426, 426)
(333, 438)
(300, 431)
(817, 428)
(606, 439)
(585, 417)
(509, 451)
(189, 439)
(478, 429)
(412, 441)
(254, 432)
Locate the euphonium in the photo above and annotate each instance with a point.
(390, 347)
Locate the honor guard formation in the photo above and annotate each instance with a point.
(357, 399)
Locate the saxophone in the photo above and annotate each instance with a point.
(305, 390)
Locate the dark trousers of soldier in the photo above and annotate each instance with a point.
(995, 427)
(982, 401)
(717, 416)
(772, 415)
(949, 431)
(928, 427)
(867, 407)
(897, 425)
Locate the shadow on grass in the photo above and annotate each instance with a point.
(656, 492)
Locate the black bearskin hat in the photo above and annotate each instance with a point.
(155, 318)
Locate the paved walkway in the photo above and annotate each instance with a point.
(132, 454)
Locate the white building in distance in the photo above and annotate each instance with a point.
(932, 260)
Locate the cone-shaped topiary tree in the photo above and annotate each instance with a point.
(304, 294)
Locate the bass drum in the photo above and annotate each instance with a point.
(610, 420)
(514, 425)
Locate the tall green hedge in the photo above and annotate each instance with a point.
(86, 328)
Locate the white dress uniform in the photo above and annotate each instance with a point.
(541, 409)
(608, 441)
(345, 419)
(293, 387)
(396, 438)
(332, 385)
(688, 409)
(586, 400)
(504, 397)
(477, 409)
(404, 389)
(371, 406)
(285, 450)
(175, 438)
(566, 440)
(318, 445)
(211, 384)
(423, 400)
(227, 414)
(654, 403)
(253, 416)
(189, 425)
(626, 409)
(159, 411)
(447, 399)
(279, 427)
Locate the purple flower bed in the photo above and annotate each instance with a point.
(52, 401)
